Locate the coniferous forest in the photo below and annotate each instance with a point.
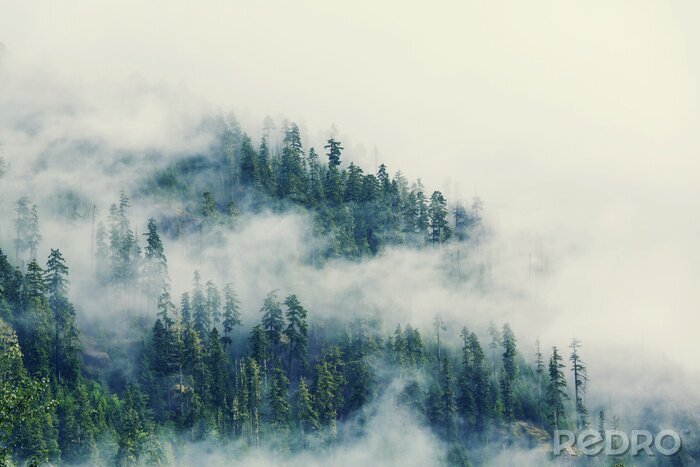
(195, 370)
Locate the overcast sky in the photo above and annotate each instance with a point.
(576, 122)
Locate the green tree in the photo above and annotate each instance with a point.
(333, 184)
(278, 399)
(556, 392)
(273, 322)
(25, 410)
(259, 345)
(580, 378)
(213, 302)
(185, 309)
(155, 264)
(325, 398)
(200, 312)
(66, 360)
(508, 372)
(440, 230)
(217, 368)
(232, 313)
(250, 175)
(306, 415)
(296, 331)
(447, 399)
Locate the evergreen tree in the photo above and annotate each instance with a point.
(279, 405)
(466, 397)
(132, 433)
(232, 314)
(254, 391)
(66, 362)
(216, 367)
(213, 302)
(539, 369)
(556, 392)
(273, 322)
(36, 330)
(325, 398)
(250, 175)
(508, 372)
(259, 346)
(265, 175)
(155, 265)
(447, 399)
(480, 383)
(414, 346)
(200, 312)
(185, 309)
(291, 177)
(333, 185)
(296, 331)
(440, 230)
(25, 411)
(306, 415)
(316, 190)
(580, 378)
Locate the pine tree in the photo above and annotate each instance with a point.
(200, 312)
(306, 415)
(216, 366)
(131, 431)
(602, 421)
(185, 309)
(414, 346)
(232, 313)
(399, 348)
(580, 378)
(296, 331)
(480, 383)
(66, 361)
(254, 391)
(447, 399)
(466, 397)
(279, 405)
(273, 322)
(213, 302)
(556, 392)
(508, 372)
(440, 230)
(36, 330)
(25, 410)
(266, 179)
(155, 265)
(250, 175)
(210, 212)
(333, 185)
(539, 369)
(325, 398)
(316, 191)
(291, 179)
(334, 150)
(259, 346)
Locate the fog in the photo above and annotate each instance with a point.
(575, 123)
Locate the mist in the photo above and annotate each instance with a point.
(576, 124)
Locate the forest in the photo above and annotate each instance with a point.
(190, 370)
